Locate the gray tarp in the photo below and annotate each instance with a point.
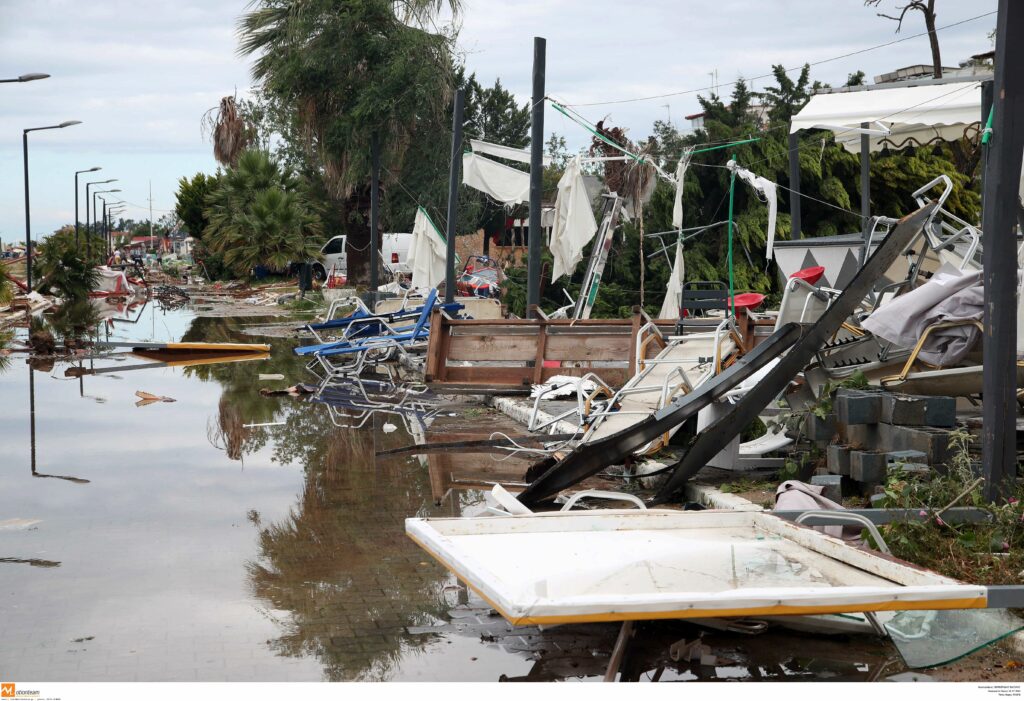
(949, 296)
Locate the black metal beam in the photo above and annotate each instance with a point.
(374, 215)
(865, 182)
(453, 195)
(1002, 183)
(717, 436)
(536, 176)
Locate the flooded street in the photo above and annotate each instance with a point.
(175, 541)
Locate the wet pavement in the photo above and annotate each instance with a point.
(176, 541)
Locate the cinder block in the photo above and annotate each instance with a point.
(819, 429)
(933, 442)
(832, 486)
(838, 460)
(902, 410)
(910, 469)
(940, 411)
(860, 436)
(867, 466)
(857, 407)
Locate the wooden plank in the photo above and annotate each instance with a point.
(433, 359)
(514, 376)
(589, 348)
(538, 360)
(495, 348)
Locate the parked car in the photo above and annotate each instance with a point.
(394, 250)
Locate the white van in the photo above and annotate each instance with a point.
(394, 251)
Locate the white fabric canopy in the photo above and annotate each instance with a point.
(574, 221)
(921, 112)
(768, 190)
(427, 253)
(677, 205)
(508, 152)
(670, 307)
(505, 184)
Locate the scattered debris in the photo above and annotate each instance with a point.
(145, 398)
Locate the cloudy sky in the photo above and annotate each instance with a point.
(140, 75)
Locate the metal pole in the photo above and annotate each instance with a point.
(88, 224)
(28, 223)
(794, 185)
(986, 107)
(454, 172)
(374, 214)
(78, 242)
(1002, 182)
(536, 175)
(865, 181)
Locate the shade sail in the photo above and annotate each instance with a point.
(574, 221)
(427, 253)
(521, 155)
(506, 185)
(920, 113)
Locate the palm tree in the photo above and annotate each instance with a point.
(349, 70)
(229, 132)
(260, 215)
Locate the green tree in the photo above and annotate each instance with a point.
(347, 71)
(62, 268)
(260, 215)
(190, 205)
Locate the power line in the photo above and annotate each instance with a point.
(787, 70)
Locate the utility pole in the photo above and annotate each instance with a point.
(536, 175)
(374, 215)
(1001, 184)
(453, 195)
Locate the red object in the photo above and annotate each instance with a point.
(747, 300)
(394, 258)
(809, 275)
(551, 363)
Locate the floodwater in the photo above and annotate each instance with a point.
(175, 541)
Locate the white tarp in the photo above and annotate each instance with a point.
(574, 221)
(921, 112)
(427, 253)
(677, 205)
(505, 184)
(111, 282)
(508, 152)
(670, 307)
(767, 189)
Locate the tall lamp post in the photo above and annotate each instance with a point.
(25, 78)
(28, 222)
(78, 244)
(108, 218)
(88, 220)
(95, 212)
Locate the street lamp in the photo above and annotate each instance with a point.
(25, 78)
(88, 225)
(28, 224)
(108, 215)
(94, 212)
(78, 245)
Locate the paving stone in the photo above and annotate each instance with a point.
(857, 407)
(832, 486)
(838, 460)
(867, 466)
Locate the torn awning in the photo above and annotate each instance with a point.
(574, 224)
(522, 155)
(920, 113)
(505, 184)
(427, 253)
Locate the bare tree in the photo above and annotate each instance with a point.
(926, 8)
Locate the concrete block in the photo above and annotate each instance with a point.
(857, 407)
(867, 466)
(860, 436)
(940, 411)
(911, 469)
(933, 442)
(838, 460)
(818, 429)
(902, 410)
(832, 486)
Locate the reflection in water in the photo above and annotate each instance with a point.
(32, 432)
(340, 564)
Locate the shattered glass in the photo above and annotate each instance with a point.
(933, 638)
